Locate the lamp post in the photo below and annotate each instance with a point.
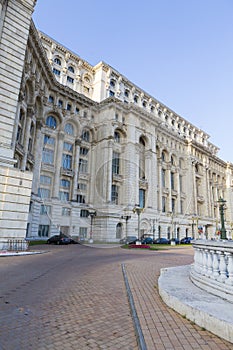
(172, 223)
(92, 214)
(138, 210)
(195, 219)
(222, 207)
(126, 218)
(153, 228)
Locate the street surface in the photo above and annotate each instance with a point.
(74, 297)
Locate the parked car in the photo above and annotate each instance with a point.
(186, 240)
(174, 241)
(147, 240)
(57, 239)
(162, 241)
(128, 240)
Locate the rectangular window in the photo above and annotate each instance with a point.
(48, 156)
(49, 140)
(65, 211)
(83, 232)
(116, 163)
(68, 146)
(65, 183)
(43, 193)
(82, 186)
(114, 196)
(45, 209)
(83, 166)
(81, 198)
(84, 213)
(172, 181)
(84, 151)
(43, 231)
(64, 196)
(173, 205)
(67, 161)
(163, 177)
(142, 195)
(70, 80)
(46, 180)
(164, 204)
(56, 72)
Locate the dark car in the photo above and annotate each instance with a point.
(128, 240)
(161, 241)
(59, 240)
(186, 240)
(147, 240)
(174, 241)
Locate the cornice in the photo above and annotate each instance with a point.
(65, 50)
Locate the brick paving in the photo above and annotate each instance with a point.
(162, 327)
(74, 298)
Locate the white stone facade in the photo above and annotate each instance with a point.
(93, 139)
(15, 186)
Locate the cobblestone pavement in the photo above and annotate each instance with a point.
(74, 297)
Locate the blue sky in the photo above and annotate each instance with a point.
(179, 51)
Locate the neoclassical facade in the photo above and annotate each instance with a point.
(97, 147)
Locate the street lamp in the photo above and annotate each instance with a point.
(126, 218)
(172, 224)
(194, 219)
(92, 214)
(138, 210)
(222, 207)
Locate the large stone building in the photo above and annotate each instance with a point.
(97, 148)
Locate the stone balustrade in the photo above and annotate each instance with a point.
(213, 267)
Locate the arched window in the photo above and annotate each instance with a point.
(87, 79)
(51, 122)
(112, 83)
(126, 93)
(69, 129)
(85, 136)
(51, 99)
(117, 137)
(57, 61)
(71, 69)
(119, 230)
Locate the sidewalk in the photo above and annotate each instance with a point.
(162, 327)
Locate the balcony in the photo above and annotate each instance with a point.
(67, 172)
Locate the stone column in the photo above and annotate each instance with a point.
(38, 147)
(30, 113)
(177, 182)
(109, 171)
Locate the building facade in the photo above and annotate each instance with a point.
(98, 147)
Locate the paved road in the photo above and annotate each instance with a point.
(74, 297)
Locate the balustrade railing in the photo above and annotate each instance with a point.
(213, 267)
